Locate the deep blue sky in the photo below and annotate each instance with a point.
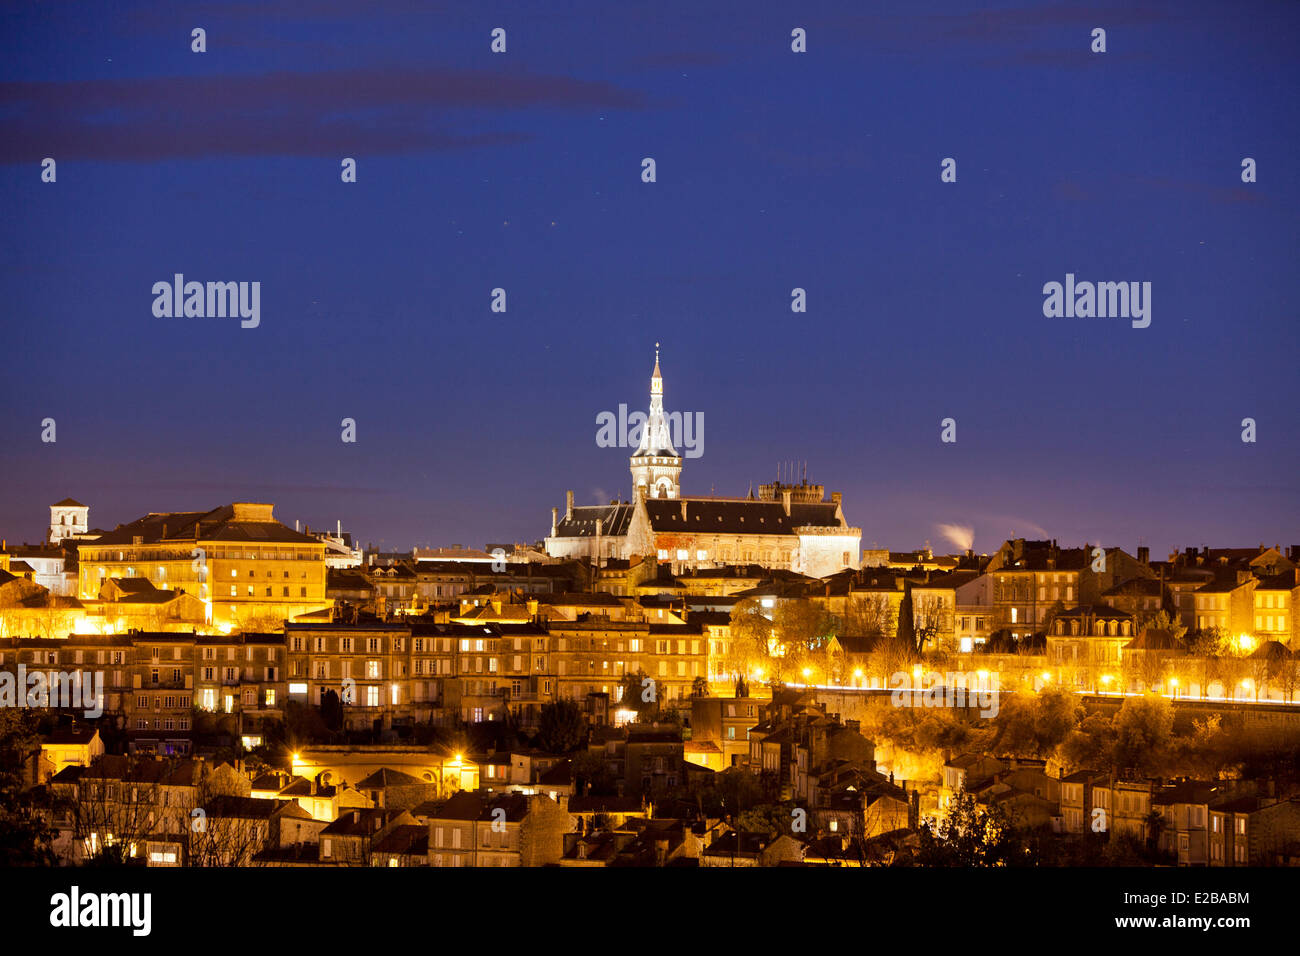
(775, 170)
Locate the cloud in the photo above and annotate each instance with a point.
(391, 110)
(1212, 191)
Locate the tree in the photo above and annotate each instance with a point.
(560, 727)
(930, 620)
(800, 630)
(803, 626)
(225, 834)
(26, 839)
(869, 614)
(639, 696)
(1143, 727)
(1162, 620)
(1037, 725)
(331, 711)
(592, 776)
(117, 803)
(908, 638)
(1090, 746)
(732, 792)
(751, 631)
(772, 819)
(972, 836)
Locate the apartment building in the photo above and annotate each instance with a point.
(246, 567)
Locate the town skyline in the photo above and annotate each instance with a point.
(956, 534)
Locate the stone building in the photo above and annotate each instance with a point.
(247, 568)
(787, 526)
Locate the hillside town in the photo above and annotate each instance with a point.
(670, 681)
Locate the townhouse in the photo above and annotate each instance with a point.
(498, 830)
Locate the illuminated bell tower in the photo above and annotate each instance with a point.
(656, 466)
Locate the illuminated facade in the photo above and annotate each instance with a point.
(246, 567)
(656, 466)
(69, 518)
(786, 526)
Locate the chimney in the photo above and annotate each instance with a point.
(1144, 555)
(785, 501)
(683, 510)
(568, 506)
(555, 520)
(836, 497)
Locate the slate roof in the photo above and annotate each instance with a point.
(736, 516)
(219, 524)
(615, 520)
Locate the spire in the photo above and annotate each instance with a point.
(654, 434)
(656, 465)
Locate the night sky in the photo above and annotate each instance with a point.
(775, 170)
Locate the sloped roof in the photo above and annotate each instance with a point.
(240, 521)
(736, 516)
(386, 777)
(615, 519)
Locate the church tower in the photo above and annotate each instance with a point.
(656, 466)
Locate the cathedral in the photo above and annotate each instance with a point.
(787, 526)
